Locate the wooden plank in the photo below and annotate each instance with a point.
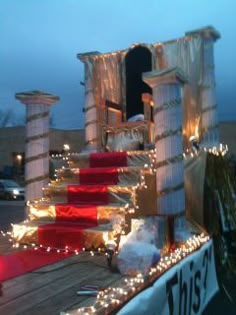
(49, 293)
(67, 297)
(15, 284)
(12, 286)
(19, 304)
(53, 288)
(90, 301)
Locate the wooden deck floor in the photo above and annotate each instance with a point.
(53, 288)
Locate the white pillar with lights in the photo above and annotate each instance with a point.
(167, 96)
(37, 140)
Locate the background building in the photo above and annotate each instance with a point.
(12, 148)
(12, 145)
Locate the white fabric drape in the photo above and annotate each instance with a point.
(186, 53)
(208, 97)
(91, 119)
(106, 80)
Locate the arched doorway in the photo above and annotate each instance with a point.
(137, 61)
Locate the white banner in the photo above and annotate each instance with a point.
(185, 289)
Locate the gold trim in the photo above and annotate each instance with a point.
(33, 138)
(86, 109)
(175, 159)
(170, 190)
(37, 116)
(36, 179)
(175, 215)
(36, 157)
(91, 122)
(168, 105)
(168, 133)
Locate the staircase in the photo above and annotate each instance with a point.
(91, 202)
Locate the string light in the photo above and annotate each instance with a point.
(111, 297)
(108, 299)
(220, 150)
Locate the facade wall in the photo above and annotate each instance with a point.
(12, 139)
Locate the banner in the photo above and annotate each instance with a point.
(185, 289)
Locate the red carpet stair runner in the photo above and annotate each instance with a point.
(91, 202)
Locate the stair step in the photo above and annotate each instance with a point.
(63, 235)
(75, 212)
(101, 175)
(91, 201)
(111, 159)
(87, 194)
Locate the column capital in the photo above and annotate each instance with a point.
(84, 56)
(205, 32)
(167, 76)
(36, 97)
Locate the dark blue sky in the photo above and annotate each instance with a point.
(40, 40)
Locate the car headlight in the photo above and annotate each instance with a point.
(15, 192)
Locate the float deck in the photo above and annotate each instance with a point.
(52, 289)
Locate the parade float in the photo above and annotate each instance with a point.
(137, 192)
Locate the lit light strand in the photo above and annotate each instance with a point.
(109, 299)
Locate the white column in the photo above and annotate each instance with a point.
(209, 119)
(37, 141)
(91, 119)
(167, 97)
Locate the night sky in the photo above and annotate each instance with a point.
(40, 40)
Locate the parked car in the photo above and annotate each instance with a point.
(10, 190)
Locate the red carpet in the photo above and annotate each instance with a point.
(82, 194)
(74, 213)
(108, 159)
(62, 234)
(66, 231)
(19, 263)
(99, 175)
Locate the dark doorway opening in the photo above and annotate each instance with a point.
(137, 61)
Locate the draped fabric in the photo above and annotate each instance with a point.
(107, 77)
(106, 80)
(209, 119)
(91, 113)
(186, 53)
